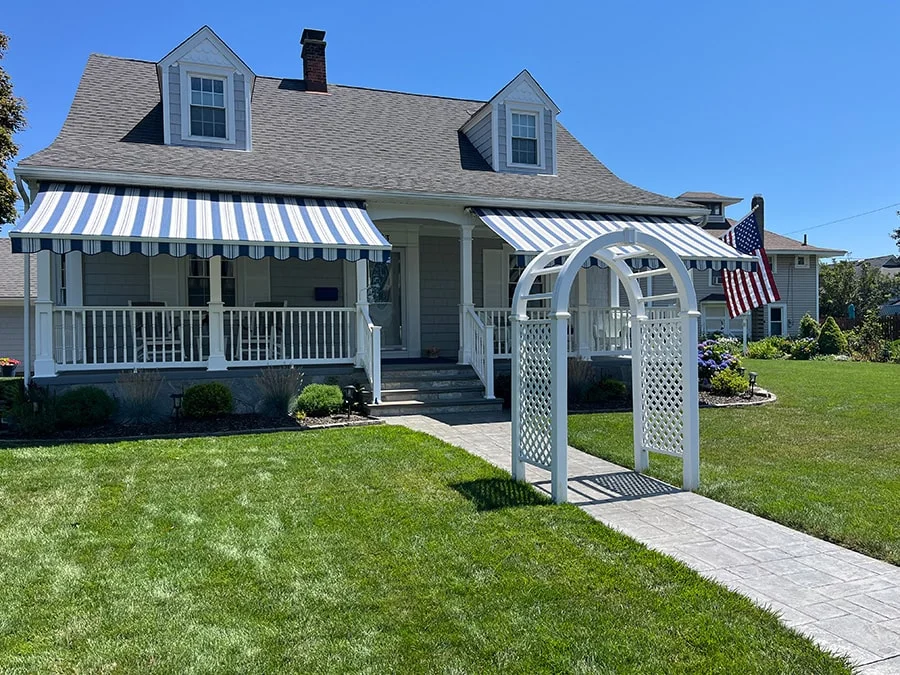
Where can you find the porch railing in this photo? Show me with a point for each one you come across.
(113, 337)
(593, 330)
(369, 341)
(289, 335)
(480, 336)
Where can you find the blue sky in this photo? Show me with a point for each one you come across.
(796, 101)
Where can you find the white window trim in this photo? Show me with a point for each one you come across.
(773, 263)
(704, 314)
(711, 284)
(215, 72)
(526, 109)
(805, 264)
(783, 318)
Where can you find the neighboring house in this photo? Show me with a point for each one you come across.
(12, 297)
(886, 264)
(795, 266)
(192, 214)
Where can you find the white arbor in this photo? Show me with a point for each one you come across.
(664, 356)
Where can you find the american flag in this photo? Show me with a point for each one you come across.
(746, 290)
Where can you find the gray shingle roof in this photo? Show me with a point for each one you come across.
(349, 138)
(706, 196)
(12, 273)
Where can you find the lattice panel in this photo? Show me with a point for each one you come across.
(662, 386)
(535, 392)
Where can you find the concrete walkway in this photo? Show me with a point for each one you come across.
(845, 601)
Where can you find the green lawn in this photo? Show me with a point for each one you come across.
(825, 458)
(370, 549)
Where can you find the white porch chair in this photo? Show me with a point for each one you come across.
(155, 336)
(263, 339)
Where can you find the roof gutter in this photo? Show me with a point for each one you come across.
(267, 187)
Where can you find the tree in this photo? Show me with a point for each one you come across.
(12, 120)
(844, 282)
(831, 339)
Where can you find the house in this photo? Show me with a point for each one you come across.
(795, 267)
(12, 296)
(886, 264)
(195, 216)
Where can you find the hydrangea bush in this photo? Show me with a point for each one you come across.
(715, 356)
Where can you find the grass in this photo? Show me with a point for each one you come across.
(825, 458)
(370, 549)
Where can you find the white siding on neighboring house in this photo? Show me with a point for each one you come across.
(12, 333)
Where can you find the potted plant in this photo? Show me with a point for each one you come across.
(432, 352)
(8, 366)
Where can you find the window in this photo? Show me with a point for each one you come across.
(524, 139)
(198, 282)
(773, 263)
(715, 277)
(776, 319)
(802, 261)
(60, 279)
(716, 320)
(516, 268)
(208, 107)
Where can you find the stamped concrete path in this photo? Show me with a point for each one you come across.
(845, 601)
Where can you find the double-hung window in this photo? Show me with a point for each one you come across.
(524, 139)
(198, 282)
(208, 107)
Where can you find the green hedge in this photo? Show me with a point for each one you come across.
(84, 407)
(207, 400)
(318, 400)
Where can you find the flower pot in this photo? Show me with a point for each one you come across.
(8, 371)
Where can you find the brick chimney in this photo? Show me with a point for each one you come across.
(759, 204)
(313, 54)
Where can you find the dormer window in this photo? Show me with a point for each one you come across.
(208, 115)
(524, 137)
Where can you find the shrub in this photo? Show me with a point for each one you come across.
(717, 355)
(763, 349)
(607, 392)
(809, 327)
(318, 400)
(580, 380)
(34, 414)
(831, 338)
(207, 400)
(803, 349)
(728, 383)
(137, 394)
(84, 407)
(894, 351)
(866, 341)
(12, 391)
(277, 386)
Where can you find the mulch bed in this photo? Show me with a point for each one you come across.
(227, 424)
(760, 396)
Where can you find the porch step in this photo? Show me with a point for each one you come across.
(436, 407)
(431, 388)
(433, 391)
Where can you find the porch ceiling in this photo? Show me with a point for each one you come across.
(95, 218)
(530, 232)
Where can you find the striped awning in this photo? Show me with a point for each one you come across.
(97, 218)
(530, 232)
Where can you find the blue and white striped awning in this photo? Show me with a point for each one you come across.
(123, 220)
(530, 232)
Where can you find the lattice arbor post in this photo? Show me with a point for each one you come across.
(664, 359)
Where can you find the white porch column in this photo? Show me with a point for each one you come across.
(583, 318)
(361, 298)
(26, 309)
(691, 458)
(44, 365)
(465, 285)
(613, 288)
(216, 317)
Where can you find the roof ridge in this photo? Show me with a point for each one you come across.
(330, 84)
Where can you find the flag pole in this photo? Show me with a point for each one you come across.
(745, 333)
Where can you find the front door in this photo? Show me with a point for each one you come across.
(386, 300)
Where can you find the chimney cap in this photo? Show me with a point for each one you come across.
(312, 35)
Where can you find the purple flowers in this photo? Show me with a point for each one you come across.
(714, 356)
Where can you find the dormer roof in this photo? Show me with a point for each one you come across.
(207, 48)
(709, 197)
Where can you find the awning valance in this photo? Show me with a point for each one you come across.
(530, 232)
(123, 220)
